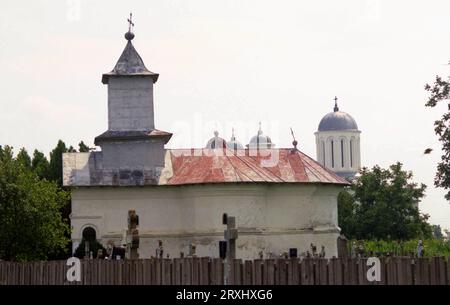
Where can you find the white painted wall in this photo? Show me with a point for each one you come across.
(352, 159)
(272, 218)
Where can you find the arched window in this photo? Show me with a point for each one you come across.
(89, 234)
(351, 153)
(332, 153)
(342, 152)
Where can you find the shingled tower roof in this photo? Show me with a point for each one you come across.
(130, 63)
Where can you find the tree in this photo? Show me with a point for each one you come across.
(440, 91)
(83, 147)
(346, 211)
(24, 158)
(55, 165)
(31, 226)
(383, 204)
(39, 164)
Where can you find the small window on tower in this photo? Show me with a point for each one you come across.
(323, 152)
(351, 153)
(342, 152)
(332, 153)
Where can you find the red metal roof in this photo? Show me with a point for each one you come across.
(282, 165)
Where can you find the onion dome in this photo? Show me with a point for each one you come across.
(233, 143)
(337, 120)
(216, 142)
(260, 141)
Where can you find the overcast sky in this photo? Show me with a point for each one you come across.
(233, 63)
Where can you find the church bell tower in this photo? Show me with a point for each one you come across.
(131, 141)
(338, 143)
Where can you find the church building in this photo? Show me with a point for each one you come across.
(281, 197)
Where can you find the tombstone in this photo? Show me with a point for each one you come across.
(313, 250)
(192, 249)
(222, 249)
(230, 234)
(160, 249)
(293, 253)
(420, 249)
(322, 252)
(118, 253)
(133, 235)
(342, 246)
(99, 254)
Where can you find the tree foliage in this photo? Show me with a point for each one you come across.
(40, 164)
(83, 147)
(55, 165)
(432, 247)
(383, 204)
(24, 158)
(440, 91)
(31, 225)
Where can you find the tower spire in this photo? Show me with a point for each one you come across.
(336, 108)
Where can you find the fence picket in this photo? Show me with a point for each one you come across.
(207, 271)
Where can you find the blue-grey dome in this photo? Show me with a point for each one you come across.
(260, 141)
(234, 144)
(337, 120)
(216, 142)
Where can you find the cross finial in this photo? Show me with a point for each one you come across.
(130, 22)
(294, 142)
(336, 108)
(129, 35)
(260, 129)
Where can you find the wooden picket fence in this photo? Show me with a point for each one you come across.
(207, 271)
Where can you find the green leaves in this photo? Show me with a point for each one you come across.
(31, 225)
(432, 247)
(383, 204)
(440, 91)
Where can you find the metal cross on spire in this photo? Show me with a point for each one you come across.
(336, 108)
(292, 133)
(129, 35)
(294, 142)
(130, 22)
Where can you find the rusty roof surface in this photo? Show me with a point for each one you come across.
(202, 166)
(282, 165)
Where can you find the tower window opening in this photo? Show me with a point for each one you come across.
(323, 152)
(342, 152)
(351, 153)
(332, 153)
